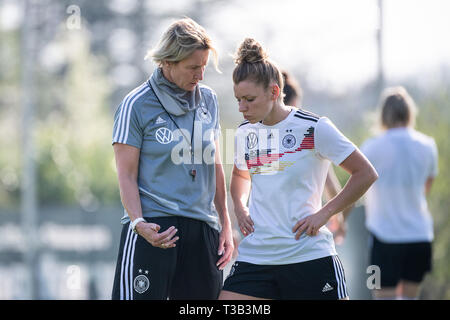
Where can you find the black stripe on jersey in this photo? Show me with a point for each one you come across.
(307, 113)
(306, 118)
(243, 123)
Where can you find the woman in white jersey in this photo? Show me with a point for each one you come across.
(282, 155)
(396, 207)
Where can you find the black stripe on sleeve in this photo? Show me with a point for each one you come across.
(306, 118)
(307, 113)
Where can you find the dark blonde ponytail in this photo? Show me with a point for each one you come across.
(253, 63)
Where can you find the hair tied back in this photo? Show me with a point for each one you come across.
(250, 51)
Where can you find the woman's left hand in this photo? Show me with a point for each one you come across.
(310, 224)
(226, 247)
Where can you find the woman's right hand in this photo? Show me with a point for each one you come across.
(150, 232)
(245, 221)
(127, 161)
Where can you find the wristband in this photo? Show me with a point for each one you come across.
(134, 223)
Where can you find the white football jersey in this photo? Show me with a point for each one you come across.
(288, 163)
(396, 206)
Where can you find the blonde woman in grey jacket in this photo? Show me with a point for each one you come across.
(177, 235)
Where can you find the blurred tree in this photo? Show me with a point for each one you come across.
(434, 120)
(75, 156)
(9, 118)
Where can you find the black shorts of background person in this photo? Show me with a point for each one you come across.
(405, 263)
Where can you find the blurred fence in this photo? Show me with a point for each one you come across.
(76, 253)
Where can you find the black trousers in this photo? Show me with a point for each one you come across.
(185, 272)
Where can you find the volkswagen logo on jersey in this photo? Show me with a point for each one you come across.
(252, 140)
(289, 141)
(164, 135)
(204, 115)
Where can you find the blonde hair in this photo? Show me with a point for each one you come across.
(180, 40)
(397, 108)
(253, 63)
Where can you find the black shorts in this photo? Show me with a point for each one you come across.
(400, 261)
(319, 279)
(187, 271)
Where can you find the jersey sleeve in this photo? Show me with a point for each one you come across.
(330, 143)
(127, 128)
(240, 149)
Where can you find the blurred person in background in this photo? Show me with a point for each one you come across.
(282, 158)
(397, 214)
(293, 95)
(176, 237)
